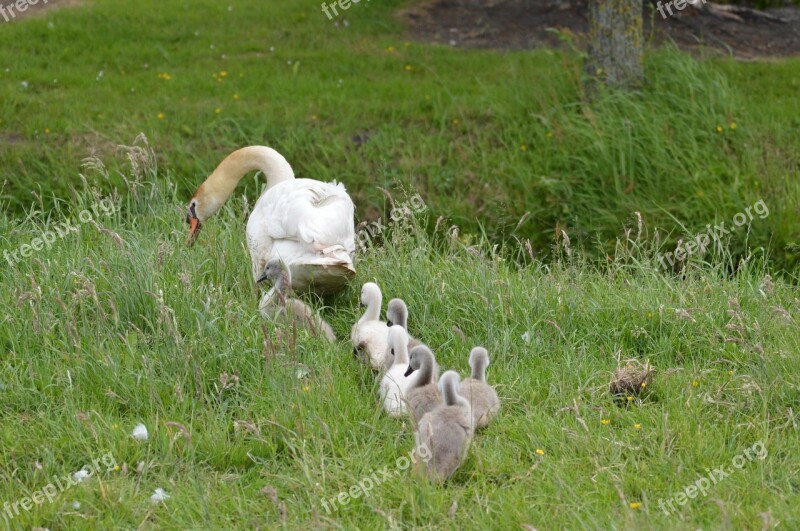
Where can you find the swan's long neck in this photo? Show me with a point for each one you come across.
(284, 282)
(222, 182)
(425, 372)
(450, 393)
(403, 315)
(373, 311)
(401, 353)
(479, 369)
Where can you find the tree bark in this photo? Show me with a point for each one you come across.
(615, 42)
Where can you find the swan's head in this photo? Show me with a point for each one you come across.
(196, 215)
(479, 357)
(202, 206)
(420, 356)
(193, 220)
(396, 312)
(272, 272)
(448, 383)
(370, 292)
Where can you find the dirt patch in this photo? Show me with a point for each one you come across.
(527, 24)
(12, 14)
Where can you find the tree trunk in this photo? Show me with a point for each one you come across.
(615, 42)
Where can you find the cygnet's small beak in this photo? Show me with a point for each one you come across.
(262, 278)
(389, 323)
(409, 370)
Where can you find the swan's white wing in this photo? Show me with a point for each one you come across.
(306, 223)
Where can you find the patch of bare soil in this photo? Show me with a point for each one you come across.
(526, 24)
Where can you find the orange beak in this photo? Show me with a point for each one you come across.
(194, 229)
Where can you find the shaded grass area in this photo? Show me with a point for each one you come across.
(483, 136)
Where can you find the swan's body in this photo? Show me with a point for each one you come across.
(305, 223)
(277, 305)
(446, 431)
(397, 314)
(370, 335)
(395, 383)
(423, 393)
(481, 396)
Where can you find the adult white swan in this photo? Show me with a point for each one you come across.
(306, 223)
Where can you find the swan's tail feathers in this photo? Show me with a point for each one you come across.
(338, 253)
(322, 275)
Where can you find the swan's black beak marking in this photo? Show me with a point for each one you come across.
(409, 370)
(389, 323)
(262, 278)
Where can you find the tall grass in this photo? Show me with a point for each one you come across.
(253, 426)
(484, 136)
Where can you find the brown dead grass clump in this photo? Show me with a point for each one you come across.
(632, 380)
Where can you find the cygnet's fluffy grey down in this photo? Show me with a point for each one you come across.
(397, 314)
(481, 396)
(423, 394)
(277, 303)
(446, 431)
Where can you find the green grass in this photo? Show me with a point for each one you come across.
(482, 135)
(100, 335)
(120, 323)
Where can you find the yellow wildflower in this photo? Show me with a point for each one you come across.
(160, 116)
(719, 129)
(539, 451)
(605, 422)
(635, 505)
(637, 426)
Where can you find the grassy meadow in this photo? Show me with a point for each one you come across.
(530, 245)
